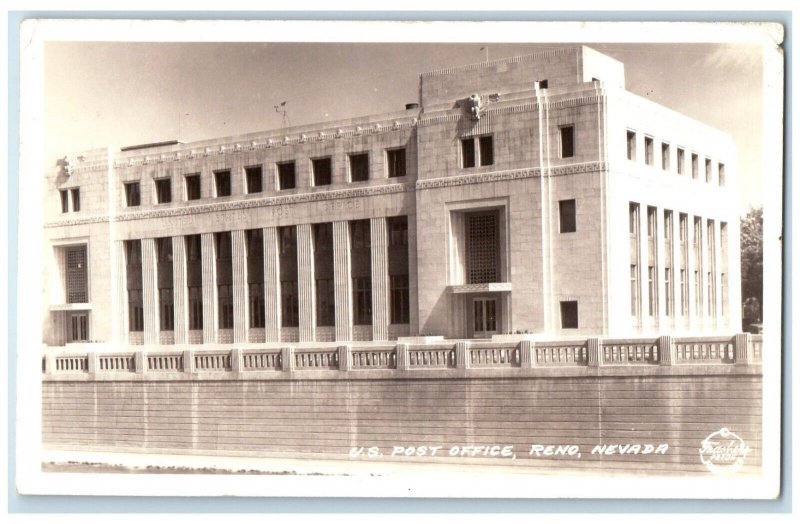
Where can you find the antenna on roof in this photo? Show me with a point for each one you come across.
(281, 109)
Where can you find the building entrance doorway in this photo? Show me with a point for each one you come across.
(484, 317)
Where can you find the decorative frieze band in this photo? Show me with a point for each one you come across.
(514, 174)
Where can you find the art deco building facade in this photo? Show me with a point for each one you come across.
(528, 194)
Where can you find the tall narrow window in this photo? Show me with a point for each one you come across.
(482, 247)
(648, 150)
(668, 255)
(290, 306)
(396, 162)
(224, 273)
(695, 167)
(192, 186)
(467, 152)
(322, 171)
(254, 240)
(652, 264)
(567, 141)
(698, 267)
(486, 149)
(361, 271)
(254, 179)
(711, 244)
(359, 167)
(721, 174)
(166, 301)
(323, 273)
(681, 160)
(163, 191)
(133, 270)
(286, 175)
(631, 145)
(569, 314)
(222, 182)
(665, 156)
(194, 281)
(683, 228)
(64, 200)
(566, 215)
(77, 284)
(708, 170)
(132, 197)
(75, 193)
(633, 230)
(398, 269)
(723, 266)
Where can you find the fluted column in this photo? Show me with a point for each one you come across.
(120, 294)
(241, 316)
(179, 290)
(305, 282)
(149, 291)
(380, 279)
(209, 289)
(342, 284)
(272, 320)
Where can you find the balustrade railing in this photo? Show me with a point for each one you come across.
(383, 357)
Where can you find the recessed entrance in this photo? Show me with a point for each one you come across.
(484, 317)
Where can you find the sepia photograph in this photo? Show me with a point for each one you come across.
(526, 257)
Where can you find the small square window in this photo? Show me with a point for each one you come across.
(132, 196)
(64, 201)
(322, 171)
(542, 84)
(566, 212)
(253, 179)
(222, 182)
(486, 146)
(163, 191)
(567, 141)
(681, 160)
(359, 167)
(467, 152)
(192, 187)
(569, 314)
(396, 162)
(631, 145)
(286, 178)
(76, 199)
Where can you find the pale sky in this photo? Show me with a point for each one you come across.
(100, 93)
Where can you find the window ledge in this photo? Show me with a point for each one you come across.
(75, 306)
(480, 288)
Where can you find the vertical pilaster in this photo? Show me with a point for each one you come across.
(676, 267)
(179, 290)
(644, 261)
(341, 280)
(594, 352)
(241, 316)
(717, 272)
(149, 291)
(380, 279)
(120, 298)
(305, 282)
(661, 252)
(272, 320)
(703, 314)
(209, 289)
(691, 267)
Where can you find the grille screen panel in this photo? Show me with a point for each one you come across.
(482, 233)
(76, 275)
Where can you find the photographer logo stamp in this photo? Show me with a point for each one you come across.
(723, 452)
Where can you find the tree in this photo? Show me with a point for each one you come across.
(752, 266)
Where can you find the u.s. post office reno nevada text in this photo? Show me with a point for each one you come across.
(551, 258)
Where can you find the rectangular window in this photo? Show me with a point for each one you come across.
(362, 301)
(135, 310)
(723, 276)
(163, 191)
(225, 301)
(721, 174)
(648, 150)
(326, 308)
(323, 273)
(164, 277)
(398, 295)
(79, 327)
(396, 162)
(192, 186)
(668, 255)
(482, 247)
(569, 314)
(290, 307)
(486, 148)
(76, 199)
(166, 309)
(708, 169)
(467, 152)
(566, 213)
(631, 145)
(224, 275)
(665, 156)
(634, 290)
(64, 200)
(222, 183)
(681, 160)
(698, 267)
(684, 285)
(286, 176)
(359, 167)
(195, 296)
(133, 274)
(695, 167)
(633, 230)
(542, 84)
(132, 196)
(255, 294)
(668, 291)
(322, 171)
(360, 234)
(651, 288)
(254, 240)
(397, 230)
(254, 179)
(76, 285)
(712, 267)
(567, 141)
